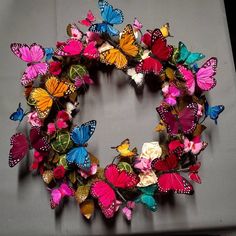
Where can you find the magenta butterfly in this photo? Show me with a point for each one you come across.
(171, 180)
(204, 77)
(20, 145)
(59, 193)
(88, 20)
(80, 81)
(160, 52)
(33, 55)
(74, 47)
(106, 194)
(193, 173)
(185, 121)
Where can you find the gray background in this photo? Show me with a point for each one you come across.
(202, 25)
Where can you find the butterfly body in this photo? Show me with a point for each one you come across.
(213, 111)
(80, 135)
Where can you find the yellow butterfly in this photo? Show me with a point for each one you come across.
(127, 47)
(165, 30)
(124, 150)
(43, 98)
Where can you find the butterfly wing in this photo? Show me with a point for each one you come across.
(188, 118)
(18, 115)
(48, 53)
(32, 71)
(189, 79)
(214, 111)
(88, 20)
(148, 200)
(205, 75)
(123, 149)
(169, 119)
(149, 65)
(56, 196)
(91, 51)
(19, 148)
(72, 47)
(79, 156)
(74, 32)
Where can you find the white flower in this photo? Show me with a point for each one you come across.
(151, 150)
(147, 179)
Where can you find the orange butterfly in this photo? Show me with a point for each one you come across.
(127, 47)
(43, 98)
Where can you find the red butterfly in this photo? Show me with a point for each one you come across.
(193, 173)
(160, 53)
(104, 190)
(170, 179)
(88, 20)
(185, 121)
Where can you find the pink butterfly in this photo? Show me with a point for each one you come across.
(20, 145)
(33, 55)
(171, 180)
(171, 92)
(74, 32)
(106, 194)
(204, 77)
(80, 81)
(128, 209)
(88, 20)
(185, 121)
(160, 53)
(137, 25)
(59, 193)
(74, 47)
(193, 173)
(195, 146)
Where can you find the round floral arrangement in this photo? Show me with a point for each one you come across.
(54, 79)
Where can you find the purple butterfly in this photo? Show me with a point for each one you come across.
(204, 77)
(20, 145)
(33, 55)
(183, 122)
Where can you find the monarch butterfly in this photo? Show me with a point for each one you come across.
(43, 98)
(127, 47)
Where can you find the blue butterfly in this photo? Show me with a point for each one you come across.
(48, 53)
(213, 112)
(80, 135)
(110, 17)
(187, 57)
(147, 197)
(18, 115)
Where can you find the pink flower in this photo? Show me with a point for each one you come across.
(34, 120)
(51, 129)
(61, 124)
(59, 172)
(63, 115)
(55, 67)
(92, 171)
(143, 164)
(170, 92)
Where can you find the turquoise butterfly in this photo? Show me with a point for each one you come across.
(186, 57)
(147, 197)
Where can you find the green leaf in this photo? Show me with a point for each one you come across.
(62, 142)
(125, 166)
(77, 70)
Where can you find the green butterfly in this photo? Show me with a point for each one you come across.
(187, 57)
(147, 197)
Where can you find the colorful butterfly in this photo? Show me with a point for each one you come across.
(137, 25)
(88, 20)
(18, 115)
(186, 57)
(171, 180)
(138, 78)
(127, 48)
(20, 145)
(124, 150)
(110, 17)
(105, 191)
(80, 136)
(33, 55)
(204, 77)
(80, 81)
(74, 47)
(147, 197)
(49, 52)
(74, 32)
(213, 111)
(43, 98)
(195, 145)
(185, 121)
(58, 194)
(160, 52)
(193, 173)
(165, 30)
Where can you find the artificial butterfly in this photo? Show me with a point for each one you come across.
(147, 197)
(213, 111)
(110, 17)
(74, 47)
(165, 30)
(18, 115)
(82, 81)
(137, 25)
(127, 48)
(58, 194)
(74, 32)
(43, 99)
(124, 149)
(88, 20)
(80, 136)
(138, 78)
(185, 121)
(169, 179)
(186, 57)
(33, 55)
(20, 145)
(49, 52)
(194, 146)
(193, 173)
(160, 52)
(104, 190)
(204, 77)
